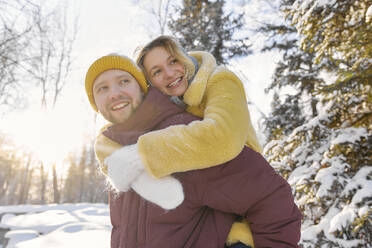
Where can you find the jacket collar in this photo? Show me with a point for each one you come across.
(195, 92)
(155, 108)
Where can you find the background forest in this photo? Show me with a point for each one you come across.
(317, 134)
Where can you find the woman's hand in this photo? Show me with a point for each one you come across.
(125, 171)
(166, 192)
(124, 166)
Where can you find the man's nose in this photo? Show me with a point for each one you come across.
(115, 92)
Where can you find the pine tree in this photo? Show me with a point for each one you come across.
(343, 35)
(202, 25)
(283, 117)
(84, 182)
(327, 160)
(296, 71)
(71, 187)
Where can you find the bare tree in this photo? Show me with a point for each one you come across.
(43, 183)
(36, 43)
(49, 57)
(12, 43)
(48, 63)
(26, 177)
(56, 193)
(160, 10)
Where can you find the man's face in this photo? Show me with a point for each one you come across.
(117, 94)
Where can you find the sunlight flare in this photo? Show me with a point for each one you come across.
(49, 135)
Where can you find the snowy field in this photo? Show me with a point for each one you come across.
(57, 226)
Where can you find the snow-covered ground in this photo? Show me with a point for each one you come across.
(57, 226)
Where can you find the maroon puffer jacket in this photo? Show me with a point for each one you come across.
(246, 186)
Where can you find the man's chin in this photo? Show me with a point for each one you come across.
(119, 119)
(116, 117)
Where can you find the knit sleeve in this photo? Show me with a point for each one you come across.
(216, 139)
(103, 148)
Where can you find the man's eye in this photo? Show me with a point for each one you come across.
(101, 89)
(125, 81)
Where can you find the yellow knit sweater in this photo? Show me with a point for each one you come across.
(217, 95)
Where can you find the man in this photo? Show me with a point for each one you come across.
(213, 198)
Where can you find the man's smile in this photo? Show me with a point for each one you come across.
(119, 106)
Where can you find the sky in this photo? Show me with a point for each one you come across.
(116, 26)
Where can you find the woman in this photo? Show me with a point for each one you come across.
(211, 92)
(205, 90)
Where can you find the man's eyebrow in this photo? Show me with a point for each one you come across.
(122, 76)
(98, 84)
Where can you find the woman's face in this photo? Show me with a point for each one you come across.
(165, 72)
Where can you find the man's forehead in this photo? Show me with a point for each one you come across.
(111, 74)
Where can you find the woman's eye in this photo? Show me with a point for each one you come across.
(125, 81)
(155, 73)
(173, 61)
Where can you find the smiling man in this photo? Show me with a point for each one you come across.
(115, 87)
(117, 94)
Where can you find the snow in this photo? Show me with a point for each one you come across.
(19, 236)
(332, 198)
(351, 135)
(369, 14)
(299, 175)
(310, 233)
(57, 226)
(327, 176)
(360, 181)
(342, 219)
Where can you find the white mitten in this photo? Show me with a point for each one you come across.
(124, 166)
(166, 192)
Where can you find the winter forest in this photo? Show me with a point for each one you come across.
(317, 134)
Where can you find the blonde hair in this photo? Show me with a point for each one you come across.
(172, 45)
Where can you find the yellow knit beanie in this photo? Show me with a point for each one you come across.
(112, 61)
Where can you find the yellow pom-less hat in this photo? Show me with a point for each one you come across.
(109, 62)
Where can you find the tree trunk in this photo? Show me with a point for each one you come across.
(28, 184)
(43, 184)
(55, 185)
(23, 184)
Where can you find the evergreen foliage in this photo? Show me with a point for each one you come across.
(284, 117)
(296, 71)
(203, 25)
(338, 30)
(326, 159)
